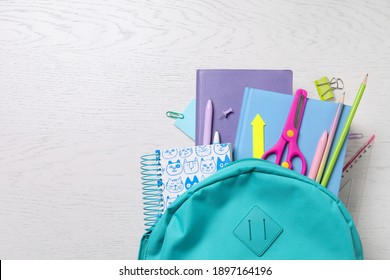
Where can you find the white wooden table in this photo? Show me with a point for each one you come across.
(84, 87)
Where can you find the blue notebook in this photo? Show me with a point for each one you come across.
(273, 108)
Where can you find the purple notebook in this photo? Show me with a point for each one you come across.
(226, 88)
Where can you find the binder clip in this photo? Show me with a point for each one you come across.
(325, 87)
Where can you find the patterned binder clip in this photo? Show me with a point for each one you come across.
(325, 87)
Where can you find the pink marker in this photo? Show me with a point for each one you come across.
(318, 156)
(208, 123)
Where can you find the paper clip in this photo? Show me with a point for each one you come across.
(174, 115)
(325, 87)
(355, 135)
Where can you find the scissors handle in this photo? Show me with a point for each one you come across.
(294, 152)
(276, 150)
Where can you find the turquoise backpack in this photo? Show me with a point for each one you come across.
(254, 209)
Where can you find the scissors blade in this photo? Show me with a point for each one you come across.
(298, 112)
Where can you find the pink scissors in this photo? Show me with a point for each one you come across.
(290, 134)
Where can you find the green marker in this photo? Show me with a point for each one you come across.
(335, 155)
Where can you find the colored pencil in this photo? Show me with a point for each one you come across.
(329, 142)
(318, 156)
(340, 142)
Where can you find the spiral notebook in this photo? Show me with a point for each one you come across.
(167, 173)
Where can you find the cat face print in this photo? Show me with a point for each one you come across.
(207, 166)
(222, 163)
(185, 152)
(190, 183)
(170, 199)
(191, 166)
(169, 153)
(175, 185)
(221, 149)
(203, 151)
(174, 168)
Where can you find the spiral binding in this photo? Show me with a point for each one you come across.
(152, 191)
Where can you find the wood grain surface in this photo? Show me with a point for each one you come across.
(84, 87)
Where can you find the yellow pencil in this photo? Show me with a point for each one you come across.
(340, 142)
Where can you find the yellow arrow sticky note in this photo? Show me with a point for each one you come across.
(258, 136)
